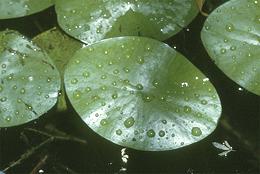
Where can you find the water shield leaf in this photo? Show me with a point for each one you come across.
(142, 94)
(20, 8)
(231, 35)
(29, 81)
(92, 21)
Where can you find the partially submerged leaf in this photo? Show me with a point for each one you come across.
(92, 21)
(142, 94)
(231, 36)
(60, 48)
(20, 8)
(29, 81)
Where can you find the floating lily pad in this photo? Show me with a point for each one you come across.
(29, 81)
(91, 21)
(140, 93)
(20, 8)
(231, 36)
(60, 48)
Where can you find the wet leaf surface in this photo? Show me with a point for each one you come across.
(20, 8)
(29, 81)
(60, 48)
(142, 94)
(231, 35)
(92, 21)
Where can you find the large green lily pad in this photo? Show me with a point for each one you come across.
(231, 36)
(91, 21)
(29, 81)
(140, 93)
(20, 8)
(60, 48)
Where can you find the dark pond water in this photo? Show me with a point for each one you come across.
(239, 125)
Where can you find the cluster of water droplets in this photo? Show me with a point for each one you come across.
(26, 88)
(109, 93)
(238, 43)
(108, 19)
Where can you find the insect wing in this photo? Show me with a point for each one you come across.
(220, 146)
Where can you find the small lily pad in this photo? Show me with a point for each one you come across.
(20, 8)
(60, 48)
(92, 21)
(231, 35)
(29, 81)
(140, 93)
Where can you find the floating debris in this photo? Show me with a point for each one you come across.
(224, 146)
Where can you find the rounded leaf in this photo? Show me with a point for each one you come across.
(231, 35)
(140, 93)
(20, 8)
(92, 21)
(29, 82)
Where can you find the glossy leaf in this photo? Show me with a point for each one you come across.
(60, 48)
(20, 8)
(29, 82)
(140, 93)
(231, 36)
(92, 21)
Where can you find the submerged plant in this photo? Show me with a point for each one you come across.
(132, 90)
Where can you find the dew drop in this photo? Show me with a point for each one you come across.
(48, 79)
(103, 122)
(86, 74)
(164, 121)
(74, 81)
(3, 65)
(22, 91)
(29, 107)
(150, 133)
(147, 98)
(126, 70)
(103, 76)
(230, 27)
(233, 48)
(116, 71)
(8, 119)
(114, 83)
(223, 50)
(140, 60)
(204, 102)
(77, 94)
(10, 77)
(100, 66)
(14, 87)
(161, 133)
(139, 87)
(129, 122)
(187, 109)
(3, 99)
(196, 131)
(119, 132)
(155, 83)
(114, 96)
(207, 27)
(88, 89)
